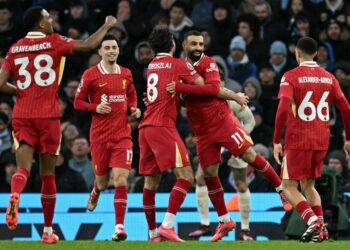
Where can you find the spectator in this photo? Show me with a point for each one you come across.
(179, 23)
(336, 159)
(325, 56)
(239, 65)
(67, 179)
(262, 133)
(248, 28)
(252, 88)
(332, 10)
(270, 30)
(10, 32)
(223, 71)
(80, 161)
(222, 26)
(201, 13)
(268, 98)
(5, 135)
(279, 58)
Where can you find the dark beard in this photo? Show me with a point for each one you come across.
(194, 57)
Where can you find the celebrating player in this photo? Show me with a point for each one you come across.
(239, 168)
(306, 94)
(110, 89)
(215, 126)
(35, 64)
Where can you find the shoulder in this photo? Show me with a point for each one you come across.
(124, 70)
(91, 73)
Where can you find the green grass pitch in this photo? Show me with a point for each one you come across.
(189, 245)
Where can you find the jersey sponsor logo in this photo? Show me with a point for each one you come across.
(102, 84)
(66, 38)
(112, 98)
(212, 67)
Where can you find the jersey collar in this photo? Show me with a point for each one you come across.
(160, 55)
(199, 60)
(309, 64)
(103, 70)
(35, 34)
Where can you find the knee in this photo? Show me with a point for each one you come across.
(200, 180)
(188, 178)
(120, 180)
(241, 186)
(101, 185)
(249, 155)
(152, 183)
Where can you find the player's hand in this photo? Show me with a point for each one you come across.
(110, 21)
(144, 99)
(103, 109)
(241, 99)
(171, 88)
(347, 148)
(135, 112)
(277, 152)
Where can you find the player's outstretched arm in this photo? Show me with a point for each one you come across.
(93, 41)
(6, 87)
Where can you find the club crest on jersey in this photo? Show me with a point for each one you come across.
(124, 84)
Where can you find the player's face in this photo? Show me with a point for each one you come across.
(109, 51)
(194, 46)
(46, 22)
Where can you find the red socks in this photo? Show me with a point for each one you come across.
(178, 195)
(216, 194)
(120, 202)
(19, 180)
(318, 212)
(148, 200)
(261, 164)
(305, 212)
(48, 198)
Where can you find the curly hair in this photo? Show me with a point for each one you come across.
(161, 40)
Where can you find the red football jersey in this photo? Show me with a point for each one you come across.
(36, 64)
(162, 107)
(206, 111)
(312, 91)
(118, 90)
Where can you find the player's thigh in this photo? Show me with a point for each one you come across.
(208, 151)
(49, 131)
(318, 157)
(24, 131)
(168, 148)
(100, 157)
(234, 137)
(297, 164)
(121, 155)
(148, 164)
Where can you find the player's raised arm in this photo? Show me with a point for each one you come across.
(94, 40)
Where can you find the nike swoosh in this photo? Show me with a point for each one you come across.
(241, 145)
(103, 84)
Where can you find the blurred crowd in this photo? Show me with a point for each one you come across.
(252, 41)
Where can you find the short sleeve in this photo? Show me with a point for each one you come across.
(64, 44)
(211, 72)
(186, 71)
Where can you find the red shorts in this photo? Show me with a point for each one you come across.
(111, 155)
(161, 148)
(228, 133)
(302, 164)
(43, 134)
